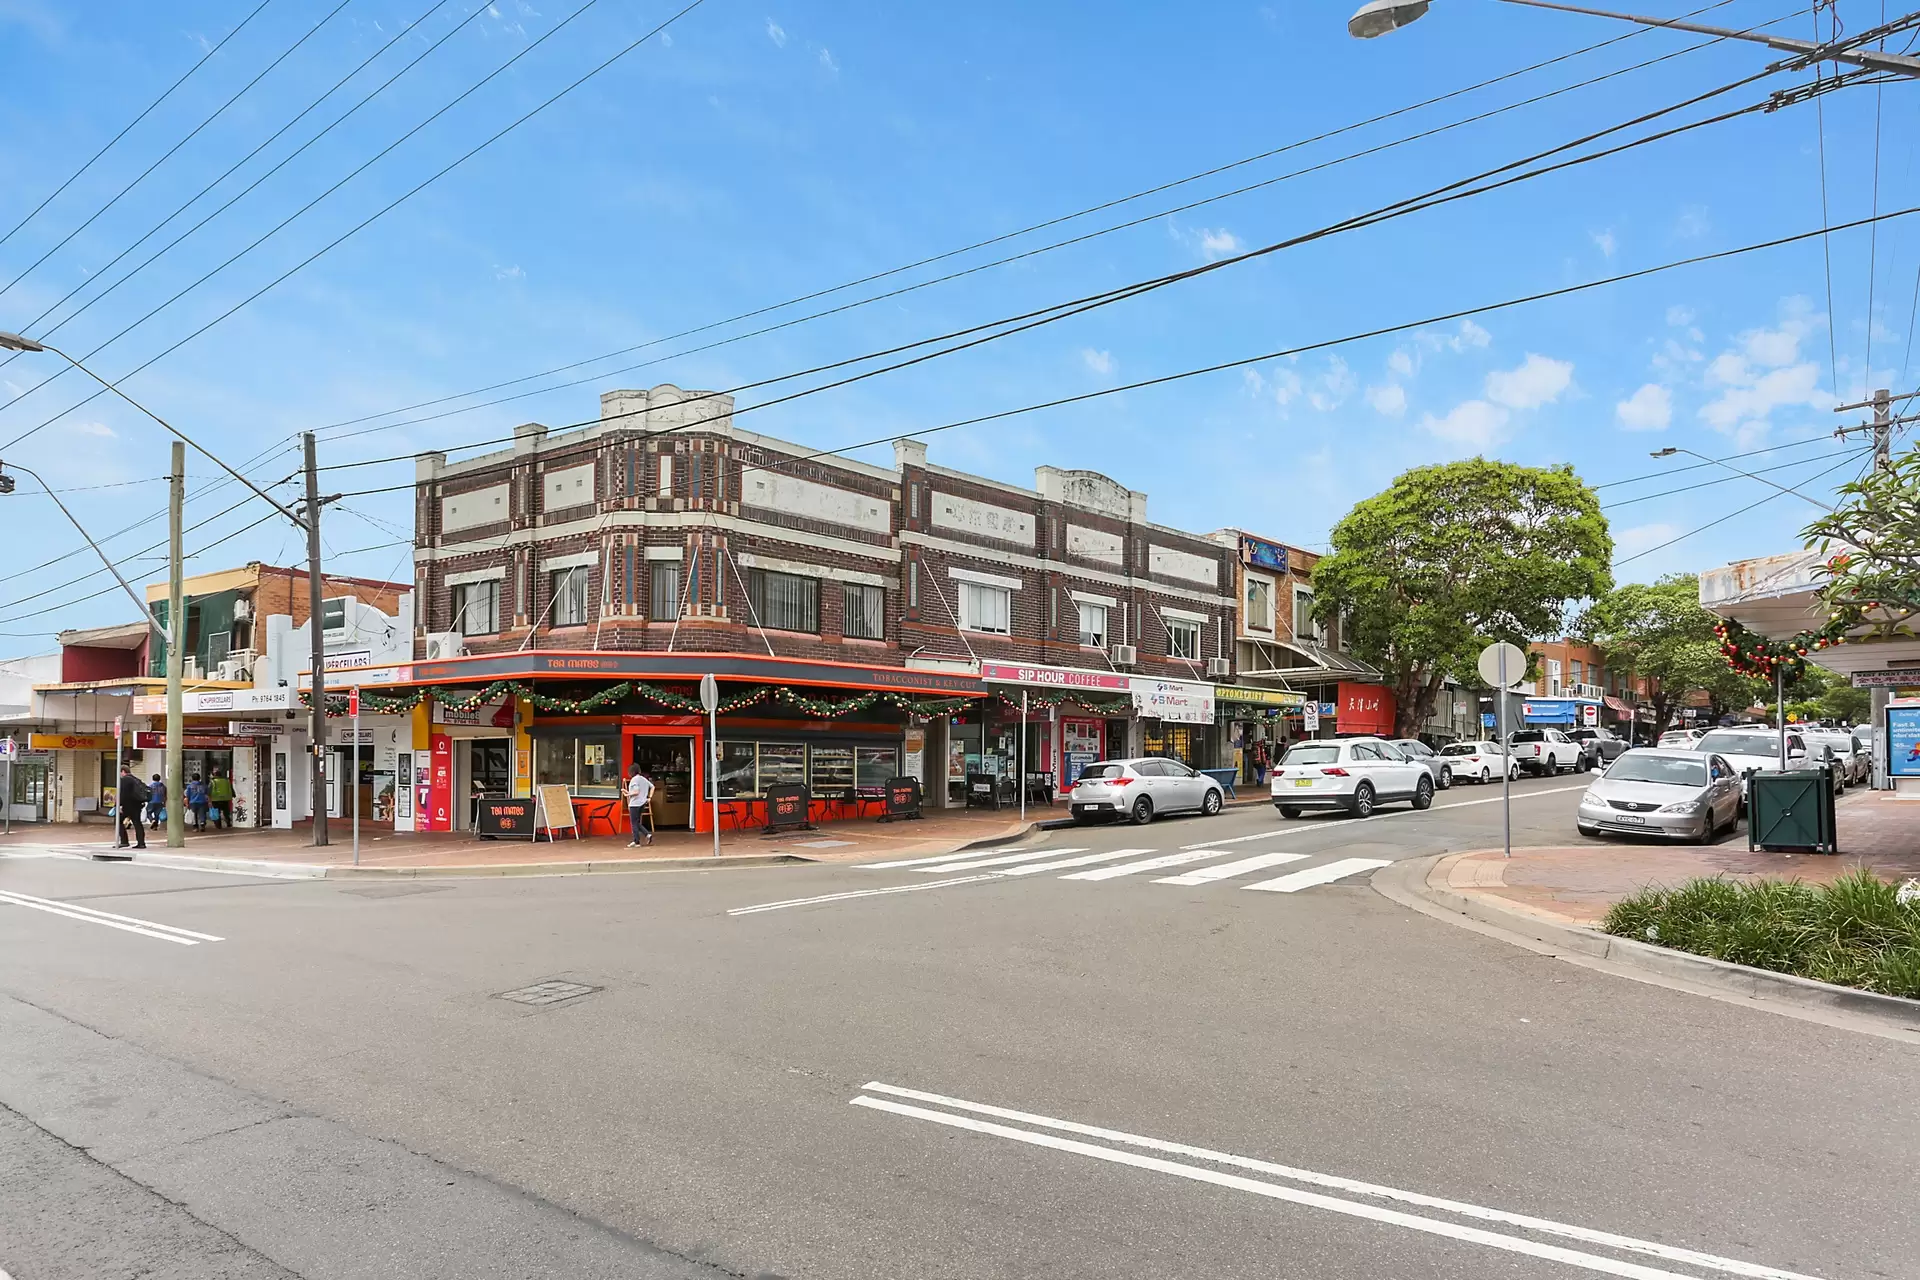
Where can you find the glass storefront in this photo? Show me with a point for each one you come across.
(589, 762)
(831, 770)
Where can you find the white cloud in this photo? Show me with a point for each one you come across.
(1286, 388)
(666, 38)
(1678, 316)
(514, 272)
(1762, 372)
(1538, 380)
(1401, 362)
(777, 34)
(1469, 336)
(1331, 389)
(1101, 362)
(1474, 424)
(1643, 537)
(1254, 382)
(1692, 222)
(1648, 409)
(1603, 240)
(94, 429)
(1389, 399)
(826, 60)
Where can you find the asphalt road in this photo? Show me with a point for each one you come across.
(942, 1070)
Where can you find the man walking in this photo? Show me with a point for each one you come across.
(640, 806)
(133, 794)
(156, 801)
(220, 792)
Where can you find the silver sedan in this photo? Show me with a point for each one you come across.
(1661, 791)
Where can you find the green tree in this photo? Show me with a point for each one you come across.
(1660, 633)
(1873, 544)
(1452, 556)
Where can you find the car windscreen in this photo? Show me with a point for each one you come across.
(1312, 753)
(1094, 772)
(1461, 749)
(1674, 770)
(1732, 743)
(1529, 735)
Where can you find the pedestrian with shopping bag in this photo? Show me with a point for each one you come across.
(131, 799)
(220, 794)
(197, 802)
(156, 801)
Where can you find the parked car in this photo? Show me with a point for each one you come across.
(1141, 790)
(1670, 791)
(1478, 761)
(1855, 761)
(1354, 774)
(1755, 748)
(1420, 753)
(1680, 738)
(1545, 752)
(1601, 745)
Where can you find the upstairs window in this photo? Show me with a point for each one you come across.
(784, 601)
(663, 590)
(1183, 639)
(476, 608)
(1093, 625)
(569, 597)
(865, 613)
(1259, 604)
(986, 608)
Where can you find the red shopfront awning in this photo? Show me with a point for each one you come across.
(1618, 704)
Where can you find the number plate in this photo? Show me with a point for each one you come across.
(1303, 782)
(1629, 817)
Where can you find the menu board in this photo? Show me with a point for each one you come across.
(786, 807)
(506, 819)
(832, 770)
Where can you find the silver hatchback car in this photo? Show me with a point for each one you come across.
(1663, 791)
(1141, 790)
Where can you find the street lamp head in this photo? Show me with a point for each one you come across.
(1377, 17)
(14, 342)
(1667, 452)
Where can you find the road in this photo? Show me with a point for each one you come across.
(981, 1067)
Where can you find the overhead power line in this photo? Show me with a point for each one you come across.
(168, 154)
(1028, 230)
(357, 227)
(1668, 472)
(1727, 479)
(1731, 514)
(149, 109)
(101, 272)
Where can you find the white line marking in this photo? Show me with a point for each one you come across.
(918, 862)
(1006, 859)
(1398, 813)
(1227, 870)
(1150, 864)
(1258, 835)
(1081, 861)
(1324, 874)
(855, 893)
(131, 924)
(1588, 1235)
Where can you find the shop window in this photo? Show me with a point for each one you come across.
(985, 608)
(589, 764)
(782, 764)
(1183, 639)
(784, 601)
(1093, 625)
(736, 773)
(875, 766)
(865, 613)
(831, 770)
(569, 608)
(1259, 605)
(476, 608)
(555, 761)
(663, 590)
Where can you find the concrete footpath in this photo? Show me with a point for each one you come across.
(290, 854)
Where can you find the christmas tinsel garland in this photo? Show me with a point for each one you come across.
(402, 703)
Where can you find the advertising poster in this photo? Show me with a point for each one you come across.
(1903, 742)
(440, 785)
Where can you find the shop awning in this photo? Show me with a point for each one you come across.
(1613, 704)
(1316, 661)
(551, 664)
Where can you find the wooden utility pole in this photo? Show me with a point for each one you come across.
(176, 658)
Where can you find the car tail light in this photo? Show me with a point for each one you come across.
(1118, 782)
(1335, 773)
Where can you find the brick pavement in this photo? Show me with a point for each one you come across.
(1577, 885)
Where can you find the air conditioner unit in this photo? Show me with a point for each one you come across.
(444, 644)
(1124, 655)
(190, 668)
(1219, 668)
(234, 669)
(242, 609)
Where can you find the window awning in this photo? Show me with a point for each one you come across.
(1315, 662)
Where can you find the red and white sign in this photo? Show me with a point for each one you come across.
(1054, 677)
(353, 701)
(1176, 701)
(440, 785)
(1366, 708)
(157, 741)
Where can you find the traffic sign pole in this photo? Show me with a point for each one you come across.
(353, 774)
(1496, 661)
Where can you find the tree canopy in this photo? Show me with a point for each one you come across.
(1873, 545)
(1452, 556)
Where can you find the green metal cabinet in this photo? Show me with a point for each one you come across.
(1792, 810)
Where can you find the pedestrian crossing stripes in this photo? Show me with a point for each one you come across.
(1072, 863)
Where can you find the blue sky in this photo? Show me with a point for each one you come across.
(760, 152)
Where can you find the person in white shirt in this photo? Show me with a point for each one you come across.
(640, 806)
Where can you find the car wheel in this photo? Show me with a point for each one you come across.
(1423, 794)
(1211, 805)
(1290, 810)
(1362, 806)
(1486, 774)
(1141, 813)
(1446, 777)
(1586, 765)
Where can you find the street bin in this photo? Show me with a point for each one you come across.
(1792, 811)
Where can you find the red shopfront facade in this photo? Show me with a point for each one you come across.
(1365, 709)
(1074, 718)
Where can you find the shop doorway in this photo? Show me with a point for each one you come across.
(27, 791)
(489, 775)
(669, 762)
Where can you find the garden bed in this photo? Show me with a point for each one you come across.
(1859, 931)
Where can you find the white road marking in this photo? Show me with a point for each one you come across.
(1006, 860)
(1227, 870)
(1081, 861)
(130, 924)
(1150, 864)
(918, 862)
(1587, 1235)
(1258, 835)
(1326, 873)
(854, 893)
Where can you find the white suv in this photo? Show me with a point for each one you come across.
(1547, 751)
(1353, 774)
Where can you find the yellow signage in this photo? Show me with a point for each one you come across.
(70, 742)
(1264, 697)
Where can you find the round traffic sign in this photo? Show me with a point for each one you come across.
(1491, 659)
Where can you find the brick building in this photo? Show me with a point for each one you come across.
(1570, 676)
(861, 620)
